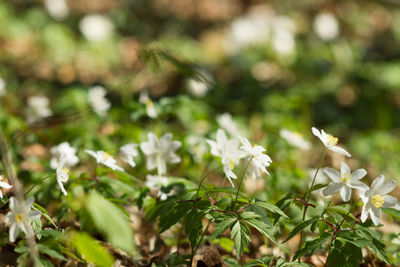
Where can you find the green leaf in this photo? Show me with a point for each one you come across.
(222, 226)
(45, 215)
(342, 211)
(194, 226)
(318, 186)
(311, 246)
(263, 262)
(262, 227)
(171, 216)
(271, 208)
(51, 252)
(241, 234)
(299, 227)
(248, 215)
(111, 222)
(91, 250)
(392, 212)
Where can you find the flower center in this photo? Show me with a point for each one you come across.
(149, 103)
(377, 201)
(346, 177)
(231, 164)
(65, 170)
(19, 217)
(107, 156)
(332, 141)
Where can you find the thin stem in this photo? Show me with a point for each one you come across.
(33, 186)
(203, 178)
(240, 182)
(309, 196)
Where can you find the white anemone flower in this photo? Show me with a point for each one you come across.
(221, 143)
(58, 9)
(127, 152)
(150, 107)
(226, 122)
(326, 26)
(105, 159)
(295, 139)
(259, 160)
(2, 87)
(62, 173)
(329, 141)
(17, 220)
(96, 27)
(98, 101)
(38, 108)
(376, 198)
(155, 182)
(344, 181)
(3, 185)
(67, 151)
(159, 152)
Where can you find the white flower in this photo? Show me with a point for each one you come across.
(226, 122)
(329, 141)
(283, 35)
(199, 86)
(4, 185)
(63, 149)
(376, 198)
(222, 143)
(155, 182)
(105, 159)
(197, 147)
(295, 139)
(38, 108)
(159, 152)
(127, 152)
(259, 160)
(16, 217)
(326, 26)
(2, 87)
(58, 9)
(98, 101)
(150, 108)
(62, 174)
(344, 181)
(228, 160)
(96, 27)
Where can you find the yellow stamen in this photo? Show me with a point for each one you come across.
(65, 170)
(231, 165)
(19, 217)
(149, 103)
(107, 156)
(332, 141)
(346, 177)
(377, 201)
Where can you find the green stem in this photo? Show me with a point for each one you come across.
(33, 186)
(309, 196)
(338, 229)
(203, 178)
(240, 182)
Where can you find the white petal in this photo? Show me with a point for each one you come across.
(358, 174)
(389, 201)
(332, 174)
(344, 168)
(147, 148)
(29, 202)
(359, 185)
(377, 183)
(151, 163)
(386, 187)
(5, 185)
(331, 189)
(34, 214)
(365, 211)
(162, 166)
(221, 136)
(375, 215)
(317, 133)
(62, 187)
(92, 153)
(345, 193)
(14, 231)
(339, 150)
(13, 203)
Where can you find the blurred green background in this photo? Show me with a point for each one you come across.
(278, 64)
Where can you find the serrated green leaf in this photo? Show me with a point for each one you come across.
(311, 246)
(392, 212)
(45, 214)
(194, 226)
(50, 252)
(92, 251)
(263, 228)
(111, 222)
(342, 211)
(299, 227)
(271, 208)
(173, 215)
(248, 215)
(241, 234)
(222, 226)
